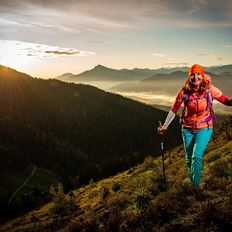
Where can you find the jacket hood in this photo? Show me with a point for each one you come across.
(207, 79)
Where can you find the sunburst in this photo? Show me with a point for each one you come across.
(12, 55)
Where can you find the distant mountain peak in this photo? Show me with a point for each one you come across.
(103, 73)
(178, 73)
(99, 66)
(64, 76)
(67, 74)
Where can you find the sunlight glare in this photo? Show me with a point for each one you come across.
(13, 55)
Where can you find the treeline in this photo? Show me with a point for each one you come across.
(78, 132)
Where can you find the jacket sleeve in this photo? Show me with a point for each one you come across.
(178, 101)
(172, 113)
(215, 92)
(218, 94)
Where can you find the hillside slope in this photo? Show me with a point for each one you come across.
(134, 200)
(73, 133)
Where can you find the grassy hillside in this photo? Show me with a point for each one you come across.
(74, 132)
(134, 200)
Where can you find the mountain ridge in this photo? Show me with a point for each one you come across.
(168, 84)
(103, 73)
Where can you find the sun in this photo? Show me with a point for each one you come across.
(13, 56)
(14, 61)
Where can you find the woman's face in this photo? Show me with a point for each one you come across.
(196, 78)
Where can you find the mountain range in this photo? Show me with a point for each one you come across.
(102, 73)
(168, 84)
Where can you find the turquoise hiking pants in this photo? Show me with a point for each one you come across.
(195, 143)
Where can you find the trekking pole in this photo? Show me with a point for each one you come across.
(161, 133)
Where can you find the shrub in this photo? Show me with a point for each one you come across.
(219, 168)
(214, 215)
(140, 189)
(91, 181)
(63, 206)
(119, 200)
(34, 218)
(149, 163)
(143, 200)
(167, 206)
(116, 186)
(212, 157)
(105, 192)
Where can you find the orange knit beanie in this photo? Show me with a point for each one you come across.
(196, 68)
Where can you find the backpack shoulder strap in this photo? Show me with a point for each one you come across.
(209, 98)
(210, 104)
(185, 96)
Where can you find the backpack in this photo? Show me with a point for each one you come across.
(208, 96)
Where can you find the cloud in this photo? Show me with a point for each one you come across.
(216, 57)
(174, 64)
(228, 45)
(213, 56)
(62, 52)
(99, 42)
(121, 14)
(25, 49)
(159, 55)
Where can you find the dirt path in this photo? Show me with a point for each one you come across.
(24, 184)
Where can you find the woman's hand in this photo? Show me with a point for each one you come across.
(161, 129)
(228, 102)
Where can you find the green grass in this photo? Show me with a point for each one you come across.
(134, 200)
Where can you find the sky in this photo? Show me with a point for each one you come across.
(48, 38)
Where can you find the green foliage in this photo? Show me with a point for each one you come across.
(220, 168)
(219, 174)
(143, 200)
(91, 181)
(105, 192)
(63, 205)
(168, 205)
(149, 163)
(139, 188)
(120, 200)
(34, 218)
(140, 205)
(116, 186)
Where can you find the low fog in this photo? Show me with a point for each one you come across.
(160, 94)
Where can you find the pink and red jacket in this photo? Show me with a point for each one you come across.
(196, 109)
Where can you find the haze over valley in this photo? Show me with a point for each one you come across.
(157, 87)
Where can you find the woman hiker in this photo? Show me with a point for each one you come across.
(197, 117)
